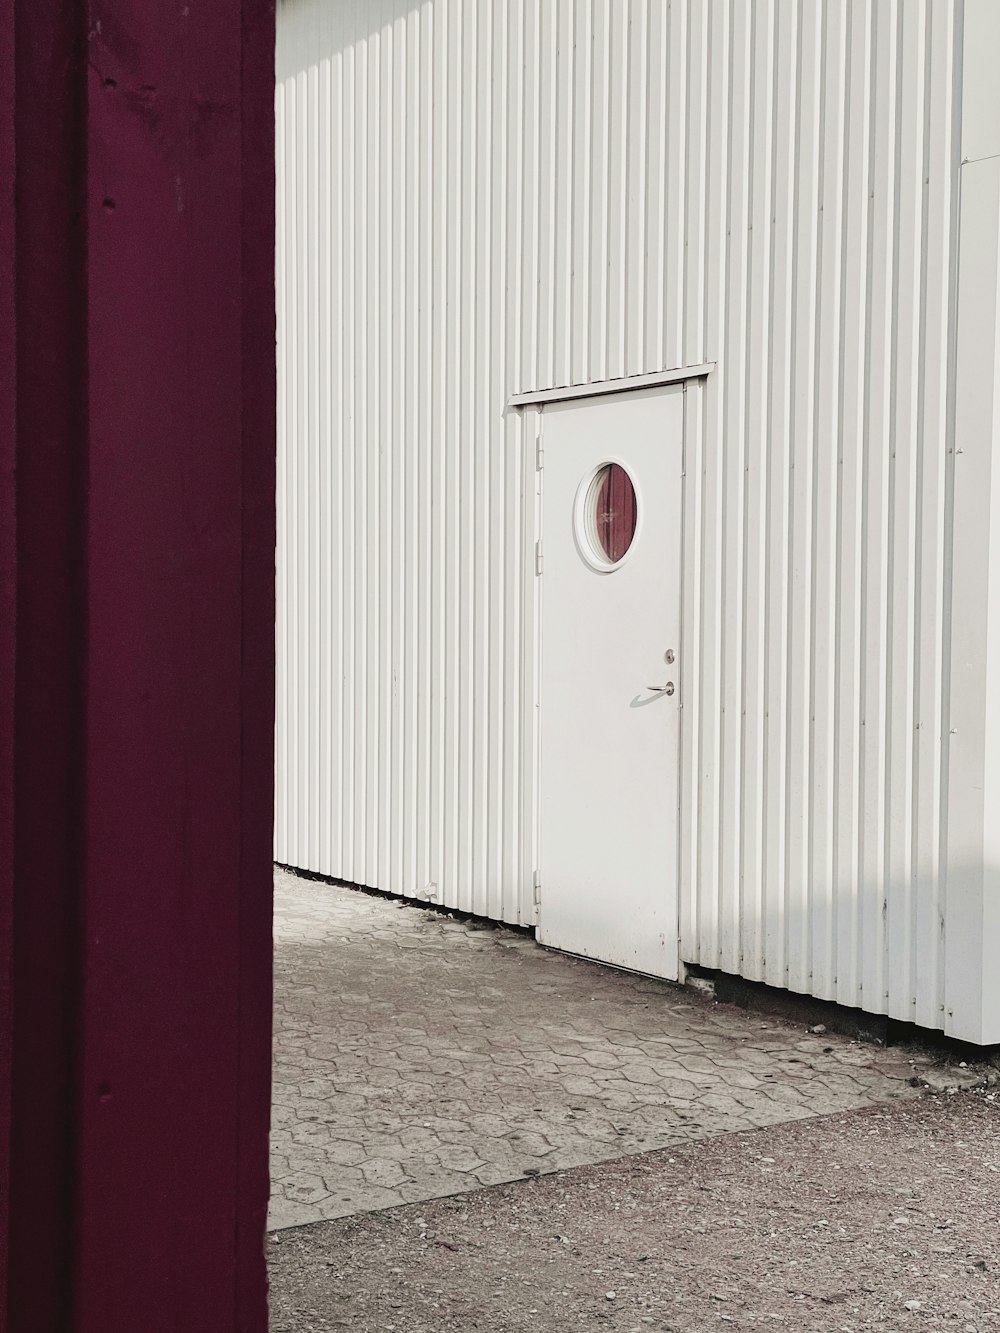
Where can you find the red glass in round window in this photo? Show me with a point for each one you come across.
(615, 510)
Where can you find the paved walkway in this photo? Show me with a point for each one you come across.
(417, 1056)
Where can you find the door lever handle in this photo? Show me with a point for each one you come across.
(662, 689)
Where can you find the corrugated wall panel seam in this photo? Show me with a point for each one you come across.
(480, 200)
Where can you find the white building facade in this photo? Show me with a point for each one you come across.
(639, 479)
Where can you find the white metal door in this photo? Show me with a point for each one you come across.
(610, 677)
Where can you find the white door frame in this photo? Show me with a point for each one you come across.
(534, 444)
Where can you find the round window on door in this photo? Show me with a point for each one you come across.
(609, 516)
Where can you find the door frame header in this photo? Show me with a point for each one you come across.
(624, 384)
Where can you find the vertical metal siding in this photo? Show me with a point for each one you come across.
(479, 199)
(813, 825)
(409, 243)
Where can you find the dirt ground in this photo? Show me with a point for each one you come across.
(887, 1218)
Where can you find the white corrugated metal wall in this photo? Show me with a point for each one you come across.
(480, 197)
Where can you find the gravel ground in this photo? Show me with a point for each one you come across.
(887, 1218)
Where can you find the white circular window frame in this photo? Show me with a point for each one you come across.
(584, 527)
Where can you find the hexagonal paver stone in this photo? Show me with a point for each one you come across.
(383, 1171)
(300, 1187)
(532, 1144)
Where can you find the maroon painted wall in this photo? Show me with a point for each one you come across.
(136, 663)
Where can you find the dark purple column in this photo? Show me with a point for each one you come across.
(136, 663)
(8, 598)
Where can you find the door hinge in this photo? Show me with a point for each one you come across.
(538, 556)
(539, 452)
(536, 896)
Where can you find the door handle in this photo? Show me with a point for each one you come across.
(662, 689)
